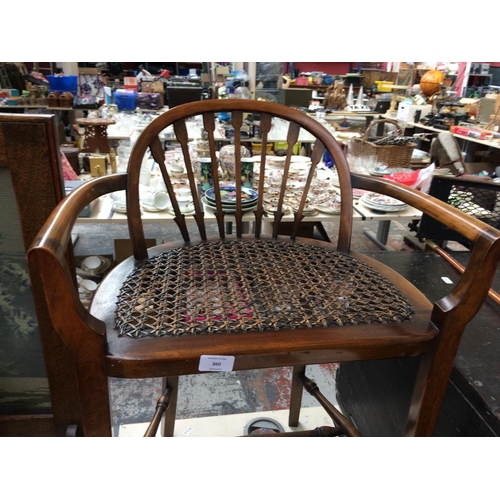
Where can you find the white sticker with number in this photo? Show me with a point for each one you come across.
(211, 363)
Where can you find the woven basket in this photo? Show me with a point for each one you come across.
(392, 156)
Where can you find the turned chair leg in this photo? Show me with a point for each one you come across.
(296, 395)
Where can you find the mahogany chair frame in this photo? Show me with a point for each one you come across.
(433, 333)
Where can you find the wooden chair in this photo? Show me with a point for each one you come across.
(267, 300)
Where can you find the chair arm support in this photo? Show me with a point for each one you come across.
(476, 280)
(47, 254)
(56, 232)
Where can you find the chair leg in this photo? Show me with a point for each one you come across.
(168, 421)
(94, 398)
(430, 386)
(345, 425)
(296, 395)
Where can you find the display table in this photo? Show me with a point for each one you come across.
(103, 212)
(384, 221)
(468, 144)
(194, 129)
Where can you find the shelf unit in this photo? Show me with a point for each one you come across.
(475, 82)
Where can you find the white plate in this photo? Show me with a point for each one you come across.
(382, 208)
(300, 159)
(121, 209)
(380, 173)
(189, 211)
(369, 202)
(381, 200)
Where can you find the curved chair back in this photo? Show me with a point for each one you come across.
(207, 111)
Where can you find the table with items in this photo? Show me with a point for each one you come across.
(323, 204)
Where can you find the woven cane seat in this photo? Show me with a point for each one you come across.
(253, 285)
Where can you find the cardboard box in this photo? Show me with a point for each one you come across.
(406, 112)
(158, 87)
(162, 98)
(130, 82)
(222, 70)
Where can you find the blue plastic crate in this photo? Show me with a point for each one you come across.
(66, 83)
(125, 99)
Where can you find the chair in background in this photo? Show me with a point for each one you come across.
(253, 300)
(472, 195)
(446, 153)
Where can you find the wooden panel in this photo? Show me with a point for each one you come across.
(27, 426)
(31, 153)
(3, 154)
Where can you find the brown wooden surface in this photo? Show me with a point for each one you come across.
(433, 333)
(29, 148)
(27, 426)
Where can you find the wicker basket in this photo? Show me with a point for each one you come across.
(392, 156)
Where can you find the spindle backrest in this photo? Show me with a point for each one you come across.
(150, 140)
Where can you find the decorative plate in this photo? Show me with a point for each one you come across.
(225, 208)
(228, 194)
(381, 200)
(231, 206)
(358, 193)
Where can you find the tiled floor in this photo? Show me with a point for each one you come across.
(209, 397)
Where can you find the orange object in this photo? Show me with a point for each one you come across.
(431, 81)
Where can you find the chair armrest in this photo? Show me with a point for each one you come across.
(452, 217)
(47, 254)
(56, 231)
(476, 280)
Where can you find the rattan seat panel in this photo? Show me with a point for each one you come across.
(253, 285)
